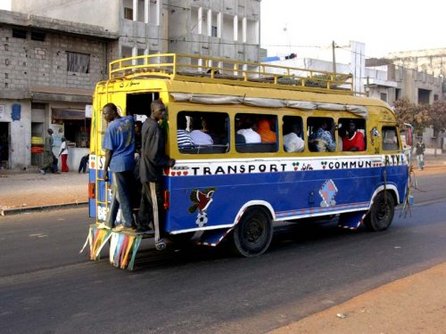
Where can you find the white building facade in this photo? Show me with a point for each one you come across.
(227, 28)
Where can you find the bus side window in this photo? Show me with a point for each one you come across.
(255, 133)
(389, 138)
(320, 134)
(202, 132)
(292, 134)
(351, 134)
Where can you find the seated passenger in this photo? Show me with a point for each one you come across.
(198, 134)
(353, 140)
(183, 136)
(291, 140)
(321, 139)
(264, 130)
(251, 137)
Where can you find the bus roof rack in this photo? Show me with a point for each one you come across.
(227, 71)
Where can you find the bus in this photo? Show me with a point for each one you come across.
(233, 185)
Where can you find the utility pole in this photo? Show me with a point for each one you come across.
(333, 46)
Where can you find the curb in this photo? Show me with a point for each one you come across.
(16, 211)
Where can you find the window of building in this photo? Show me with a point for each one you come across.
(78, 62)
(19, 33)
(38, 36)
(389, 138)
(126, 51)
(256, 133)
(320, 131)
(424, 96)
(351, 134)
(202, 132)
(383, 97)
(293, 140)
(128, 13)
(214, 31)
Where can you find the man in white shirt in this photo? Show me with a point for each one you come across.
(199, 136)
(251, 137)
(292, 142)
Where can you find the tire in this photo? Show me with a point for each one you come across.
(381, 213)
(253, 234)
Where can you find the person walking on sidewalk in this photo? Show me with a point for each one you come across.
(119, 146)
(419, 152)
(153, 160)
(48, 155)
(63, 155)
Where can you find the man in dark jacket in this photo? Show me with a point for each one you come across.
(153, 160)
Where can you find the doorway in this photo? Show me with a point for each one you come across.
(4, 144)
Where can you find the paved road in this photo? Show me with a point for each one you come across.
(47, 287)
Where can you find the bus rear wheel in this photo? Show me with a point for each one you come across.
(381, 213)
(253, 234)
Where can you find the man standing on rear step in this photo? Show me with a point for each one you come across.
(119, 146)
(153, 160)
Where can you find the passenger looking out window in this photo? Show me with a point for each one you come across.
(321, 138)
(292, 140)
(353, 140)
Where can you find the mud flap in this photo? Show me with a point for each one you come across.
(213, 238)
(351, 220)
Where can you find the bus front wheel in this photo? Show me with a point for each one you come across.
(253, 234)
(381, 213)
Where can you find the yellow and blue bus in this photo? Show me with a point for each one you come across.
(233, 185)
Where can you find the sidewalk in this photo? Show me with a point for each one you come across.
(30, 190)
(414, 304)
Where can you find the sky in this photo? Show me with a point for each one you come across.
(308, 28)
(384, 26)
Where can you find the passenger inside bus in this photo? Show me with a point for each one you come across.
(353, 139)
(246, 130)
(199, 131)
(264, 130)
(183, 136)
(292, 141)
(321, 139)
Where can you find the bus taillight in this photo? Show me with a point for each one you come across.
(91, 190)
(166, 199)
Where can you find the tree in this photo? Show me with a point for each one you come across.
(438, 116)
(438, 120)
(416, 115)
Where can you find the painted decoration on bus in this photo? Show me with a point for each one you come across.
(328, 193)
(200, 203)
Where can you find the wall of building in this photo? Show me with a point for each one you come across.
(430, 61)
(19, 131)
(98, 12)
(35, 71)
(227, 29)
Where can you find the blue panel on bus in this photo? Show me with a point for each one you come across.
(215, 200)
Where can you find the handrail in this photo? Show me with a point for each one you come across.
(204, 68)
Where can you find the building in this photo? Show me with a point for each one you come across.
(54, 53)
(229, 28)
(48, 70)
(390, 82)
(378, 78)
